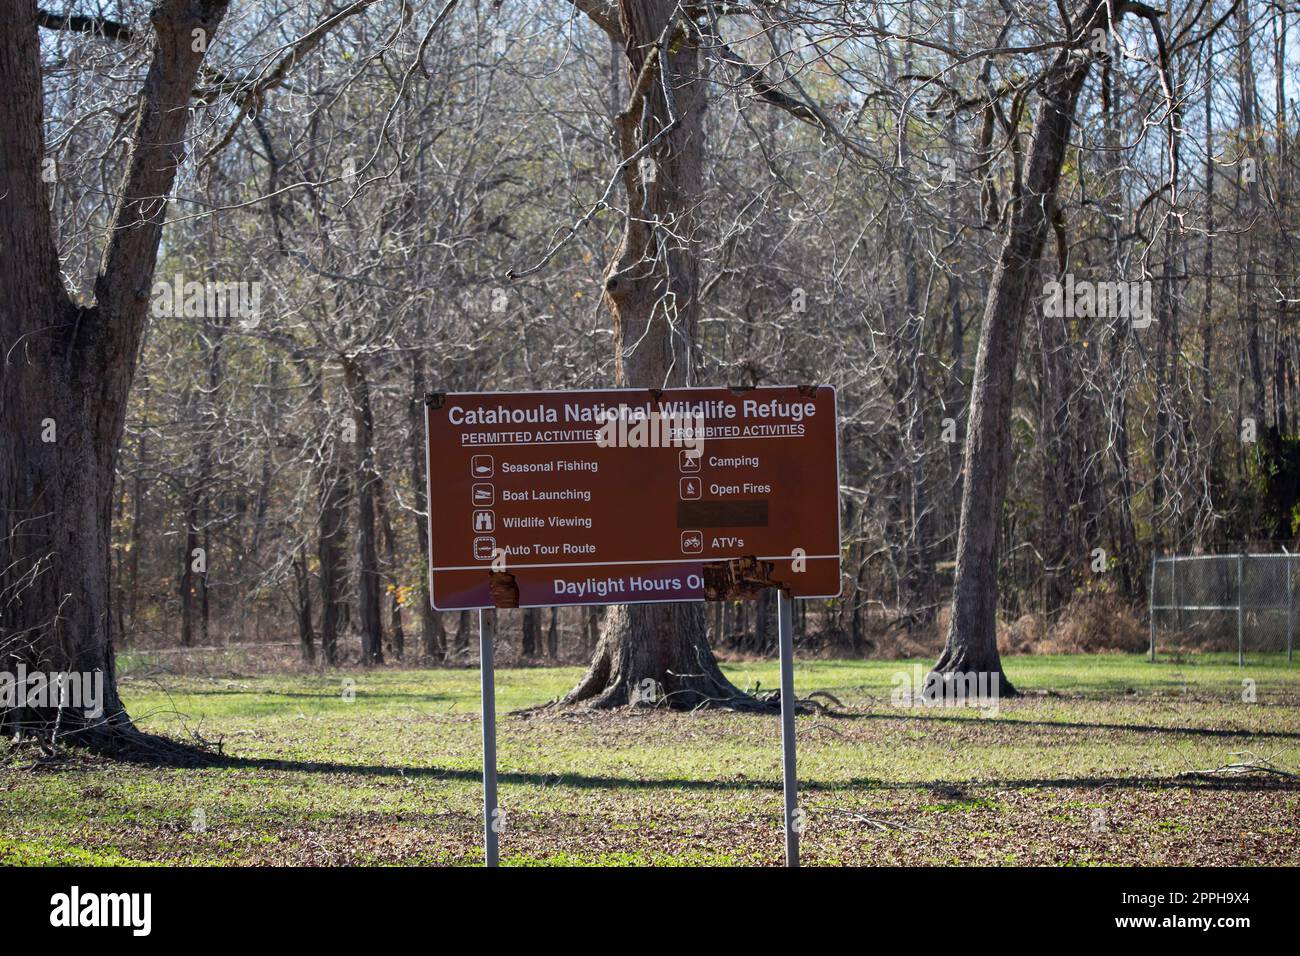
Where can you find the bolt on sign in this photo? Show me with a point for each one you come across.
(628, 496)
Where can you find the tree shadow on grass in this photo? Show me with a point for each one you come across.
(1070, 725)
(334, 695)
(165, 752)
(128, 744)
(1192, 781)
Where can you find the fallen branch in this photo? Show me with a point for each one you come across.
(883, 825)
(1255, 765)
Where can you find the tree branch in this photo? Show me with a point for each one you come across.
(251, 93)
(105, 27)
(157, 150)
(603, 13)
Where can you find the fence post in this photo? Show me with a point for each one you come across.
(1173, 594)
(1151, 605)
(1290, 607)
(1240, 609)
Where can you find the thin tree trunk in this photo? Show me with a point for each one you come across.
(972, 635)
(368, 574)
(463, 626)
(433, 637)
(331, 535)
(530, 631)
(1058, 472)
(188, 558)
(137, 514)
(394, 582)
(302, 582)
(1285, 274)
(1254, 214)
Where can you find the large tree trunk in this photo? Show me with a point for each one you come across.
(972, 635)
(66, 369)
(656, 652)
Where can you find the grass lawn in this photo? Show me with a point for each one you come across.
(1097, 764)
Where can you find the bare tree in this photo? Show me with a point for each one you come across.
(651, 290)
(68, 367)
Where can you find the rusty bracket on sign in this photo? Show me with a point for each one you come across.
(739, 579)
(503, 589)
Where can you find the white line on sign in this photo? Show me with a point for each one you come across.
(603, 564)
(592, 441)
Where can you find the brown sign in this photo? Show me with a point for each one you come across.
(627, 496)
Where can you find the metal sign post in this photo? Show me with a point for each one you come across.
(487, 678)
(789, 779)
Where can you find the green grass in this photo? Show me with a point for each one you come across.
(1095, 764)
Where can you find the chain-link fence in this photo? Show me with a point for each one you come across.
(1225, 602)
